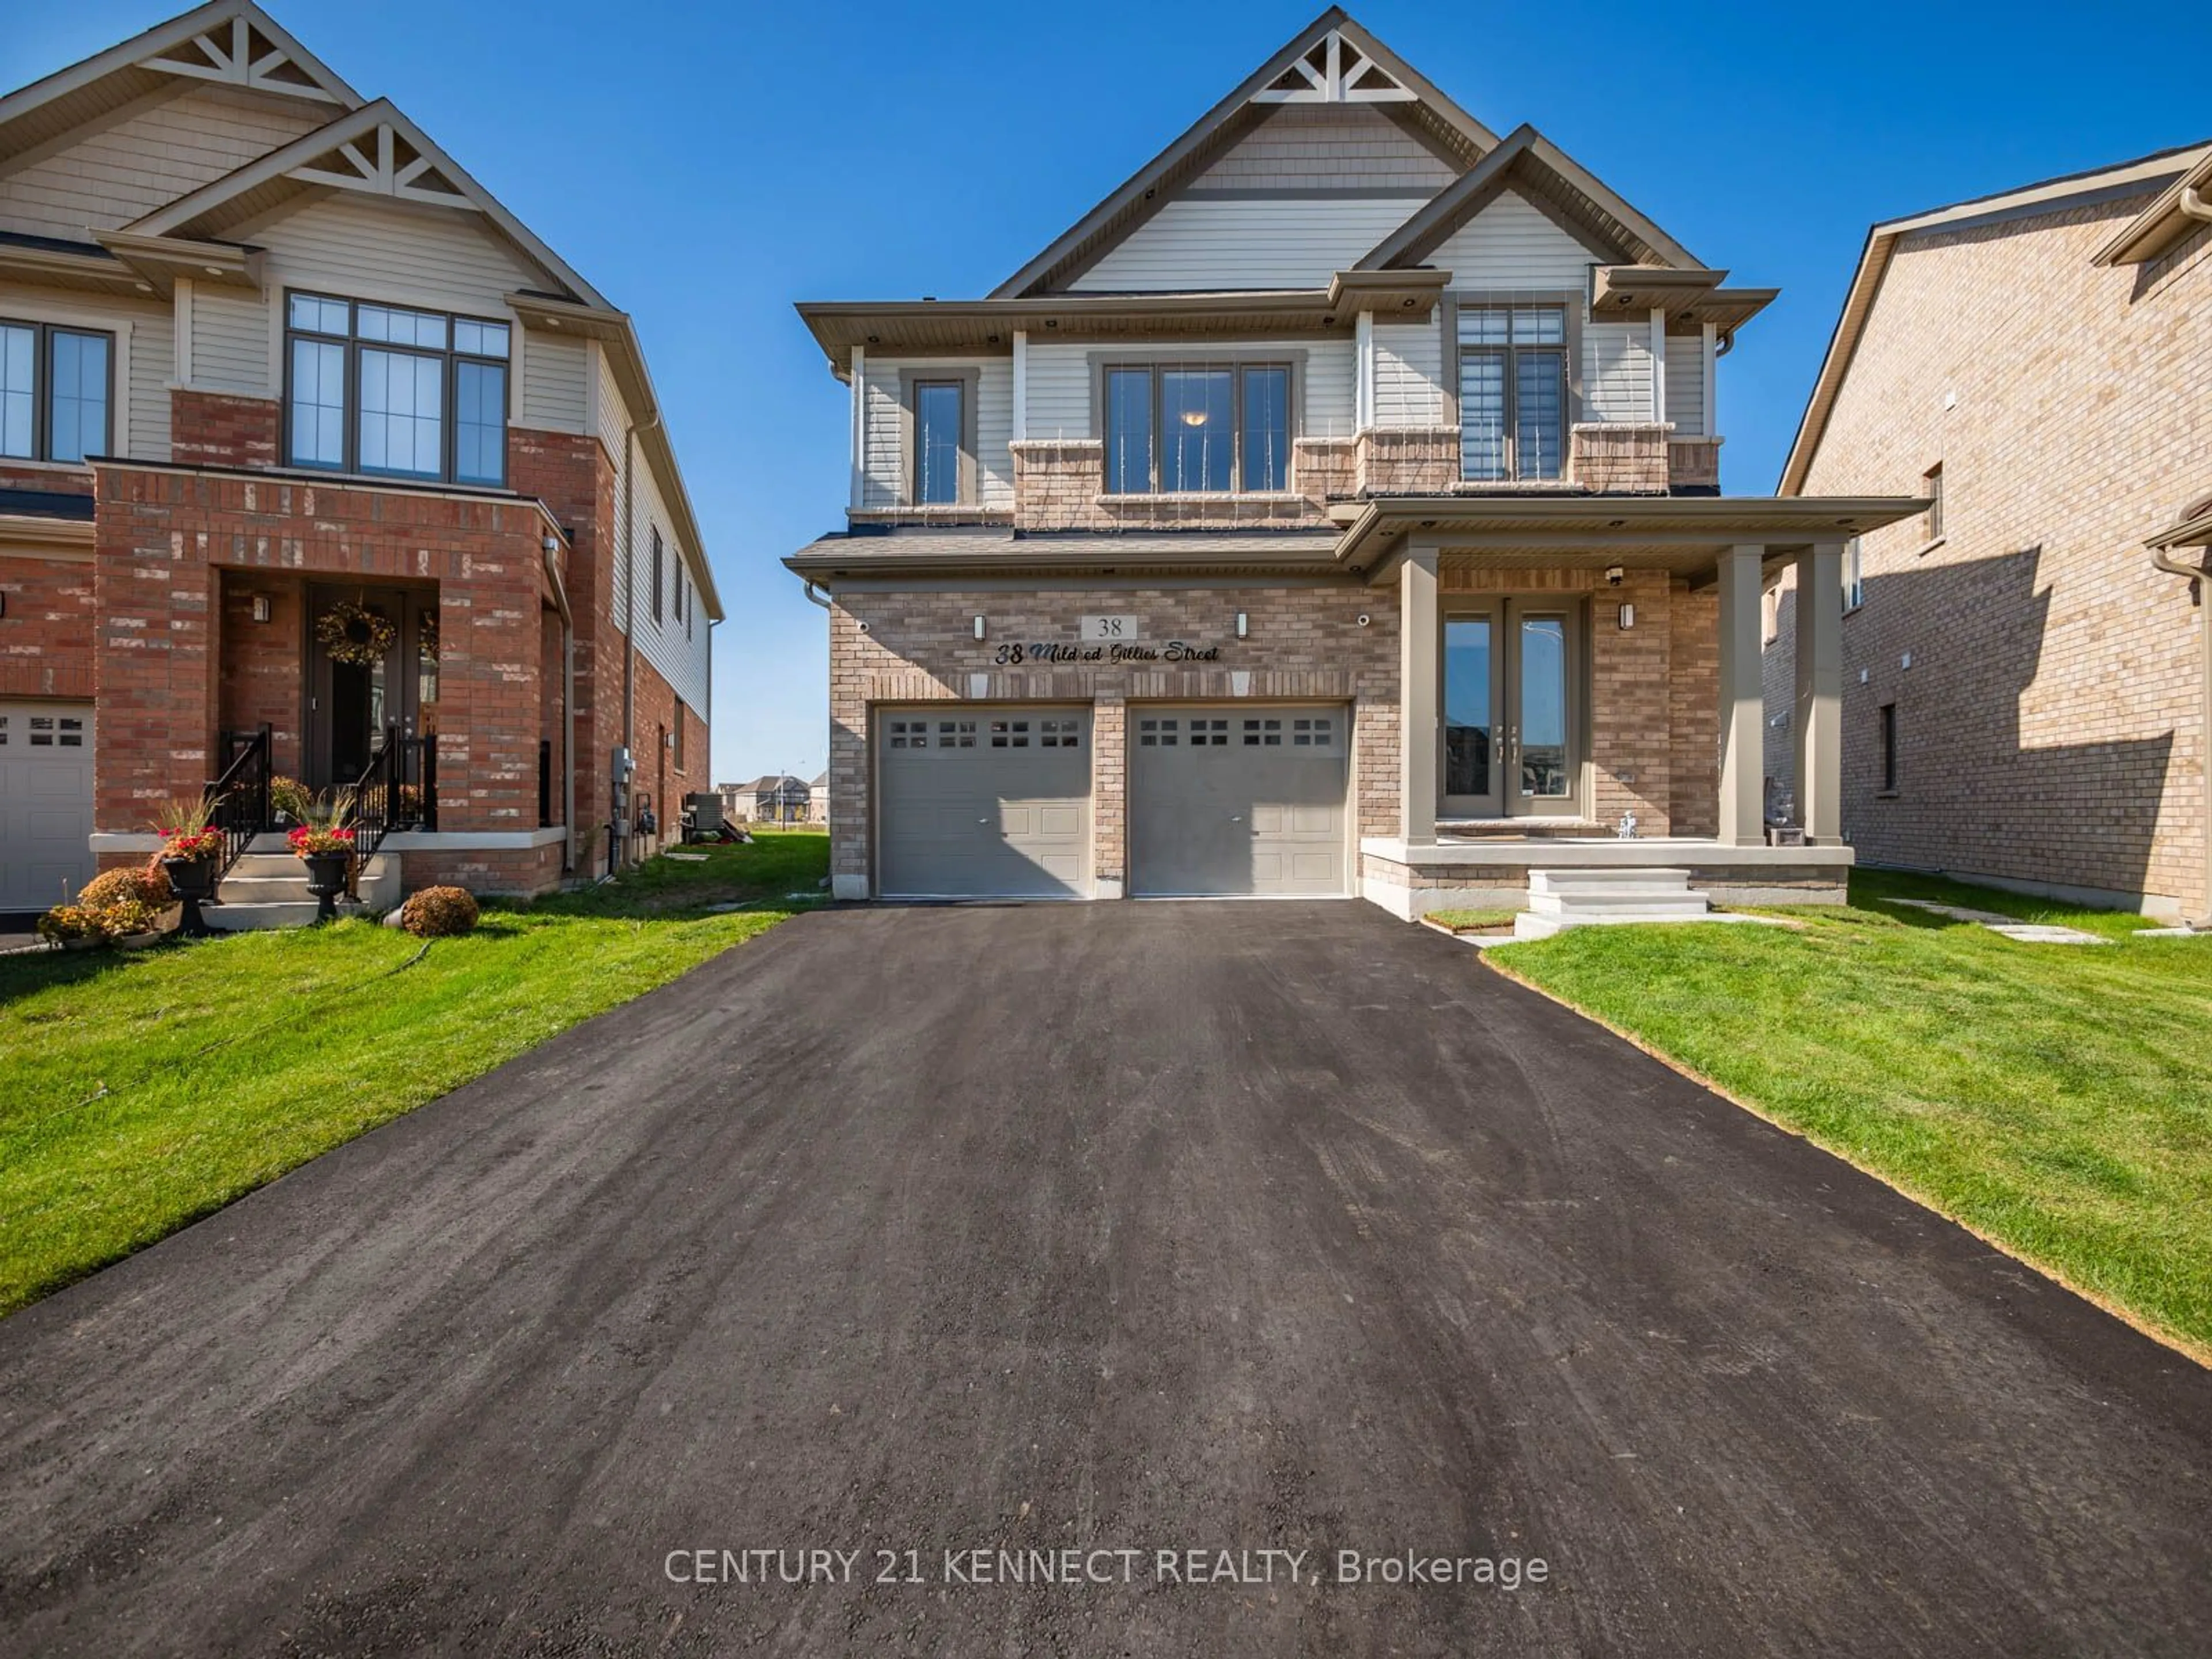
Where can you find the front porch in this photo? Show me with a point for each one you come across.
(1582, 691)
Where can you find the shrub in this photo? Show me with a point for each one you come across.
(439, 913)
(70, 922)
(126, 916)
(148, 886)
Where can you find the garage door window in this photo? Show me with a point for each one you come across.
(1158, 734)
(1315, 734)
(49, 731)
(1263, 733)
(1010, 734)
(1058, 734)
(955, 734)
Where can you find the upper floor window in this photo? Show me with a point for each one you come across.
(660, 570)
(939, 441)
(1854, 575)
(1198, 429)
(382, 389)
(1931, 486)
(1512, 392)
(56, 390)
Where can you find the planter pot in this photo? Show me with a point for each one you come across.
(327, 874)
(192, 881)
(139, 941)
(80, 944)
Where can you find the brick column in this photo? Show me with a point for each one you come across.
(1110, 795)
(1742, 804)
(154, 667)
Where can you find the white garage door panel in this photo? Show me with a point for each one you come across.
(1241, 800)
(984, 803)
(46, 803)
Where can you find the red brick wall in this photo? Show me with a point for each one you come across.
(264, 665)
(162, 536)
(46, 637)
(657, 771)
(59, 481)
(217, 428)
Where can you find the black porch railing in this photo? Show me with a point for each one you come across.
(399, 790)
(240, 794)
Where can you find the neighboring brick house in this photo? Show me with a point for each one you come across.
(2025, 692)
(301, 432)
(1335, 509)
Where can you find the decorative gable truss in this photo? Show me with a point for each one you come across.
(244, 51)
(383, 163)
(1334, 70)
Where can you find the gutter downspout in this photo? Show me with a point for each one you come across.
(2198, 577)
(567, 711)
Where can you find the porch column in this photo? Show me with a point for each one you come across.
(1418, 630)
(1818, 718)
(1742, 806)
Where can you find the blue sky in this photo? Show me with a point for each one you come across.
(707, 165)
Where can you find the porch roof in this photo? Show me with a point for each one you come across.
(1681, 533)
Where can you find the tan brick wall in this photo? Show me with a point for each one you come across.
(1617, 458)
(1421, 460)
(1303, 643)
(2050, 725)
(1059, 484)
(1653, 689)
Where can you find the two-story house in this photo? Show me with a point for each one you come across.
(316, 463)
(2028, 691)
(1333, 509)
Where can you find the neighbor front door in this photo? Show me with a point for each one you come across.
(1512, 707)
(351, 702)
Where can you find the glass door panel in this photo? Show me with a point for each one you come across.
(1470, 703)
(1541, 693)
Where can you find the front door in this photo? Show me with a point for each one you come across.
(1512, 710)
(372, 657)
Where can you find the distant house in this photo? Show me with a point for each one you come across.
(772, 797)
(817, 800)
(2027, 673)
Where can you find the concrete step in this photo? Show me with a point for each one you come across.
(1654, 901)
(251, 918)
(1585, 879)
(286, 864)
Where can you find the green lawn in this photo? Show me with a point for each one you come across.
(145, 1090)
(1471, 922)
(2058, 1099)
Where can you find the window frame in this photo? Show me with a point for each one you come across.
(1931, 483)
(1886, 749)
(1854, 574)
(42, 390)
(968, 380)
(1569, 349)
(660, 569)
(1104, 366)
(450, 358)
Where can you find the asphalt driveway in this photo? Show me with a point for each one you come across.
(1120, 1230)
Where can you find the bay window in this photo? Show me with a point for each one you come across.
(395, 391)
(1197, 428)
(1512, 392)
(56, 392)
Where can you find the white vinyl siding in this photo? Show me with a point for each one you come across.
(556, 383)
(994, 427)
(681, 661)
(111, 178)
(885, 481)
(1063, 404)
(890, 478)
(144, 362)
(1328, 147)
(1685, 384)
(375, 248)
(1204, 243)
(1511, 246)
(1409, 366)
(1617, 371)
(230, 340)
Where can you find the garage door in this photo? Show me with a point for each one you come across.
(1240, 801)
(984, 803)
(46, 803)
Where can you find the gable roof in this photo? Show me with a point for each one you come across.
(1557, 184)
(227, 42)
(374, 149)
(1333, 59)
(2121, 180)
(2180, 209)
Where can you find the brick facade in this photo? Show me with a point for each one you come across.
(45, 633)
(1621, 458)
(1304, 643)
(1416, 460)
(2050, 723)
(215, 429)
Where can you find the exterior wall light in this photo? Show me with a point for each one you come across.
(261, 609)
(1243, 625)
(979, 628)
(1628, 616)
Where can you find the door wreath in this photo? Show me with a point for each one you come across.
(355, 635)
